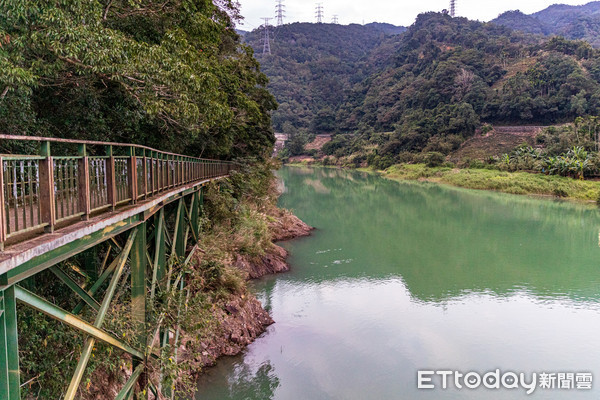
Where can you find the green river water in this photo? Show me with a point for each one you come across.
(402, 277)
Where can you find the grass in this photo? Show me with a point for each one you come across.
(508, 182)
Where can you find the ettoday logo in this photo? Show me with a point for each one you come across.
(496, 380)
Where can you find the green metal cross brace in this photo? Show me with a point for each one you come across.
(195, 218)
(74, 286)
(160, 253)
(90, 341)
(178, 235)
(96, 286)
(126, 390)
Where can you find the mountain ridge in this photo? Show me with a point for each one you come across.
(580, 22)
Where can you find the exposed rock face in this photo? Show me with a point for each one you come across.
(272, 262)
(287, 226)
(241, 321)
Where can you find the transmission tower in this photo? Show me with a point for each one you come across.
(279, 12)
(452, 8)
(319, 13)
(334, 20)
(267, 40)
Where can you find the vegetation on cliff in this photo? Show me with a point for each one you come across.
(173, 75)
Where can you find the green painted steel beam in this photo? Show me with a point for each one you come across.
(108, 296)
(62, 253)
(160, 257)
(127, 389)
(138, 290)
(179, 232)
(11, 342)
(59, 314)
(4, 388)
(96, 286)
(195, 216)
(85, 296)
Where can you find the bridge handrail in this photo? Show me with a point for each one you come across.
(44, 191)
(97, 143)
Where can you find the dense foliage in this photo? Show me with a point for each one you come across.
(311, 68)
(437, 84)
(573, 22)
(170, 74)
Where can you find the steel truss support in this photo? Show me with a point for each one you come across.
(152, 256)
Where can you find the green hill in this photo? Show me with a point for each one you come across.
(312, 66)
(427, 89)
(572, 22)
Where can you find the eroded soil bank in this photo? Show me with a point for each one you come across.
(242, 318)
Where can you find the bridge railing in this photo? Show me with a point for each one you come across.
(39, 193)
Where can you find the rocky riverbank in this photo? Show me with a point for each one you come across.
(241, 319)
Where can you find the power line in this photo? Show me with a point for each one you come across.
(319, 13)
(267, 40)
(279, 12)
(335, 20)
(452, 8)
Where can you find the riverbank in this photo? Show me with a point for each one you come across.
(525, 183)
(501, 181)
(241, 224)
(239, 246)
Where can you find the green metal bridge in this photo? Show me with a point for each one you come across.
(132, 213)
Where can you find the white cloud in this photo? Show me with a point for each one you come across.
(395, 12)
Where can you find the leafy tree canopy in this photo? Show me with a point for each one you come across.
(170, 74)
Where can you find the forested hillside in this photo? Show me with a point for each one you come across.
(429, 88)
(173, 75)
(448, 75)
(312, 66)
(572, 22)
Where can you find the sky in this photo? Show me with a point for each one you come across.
(397, 12)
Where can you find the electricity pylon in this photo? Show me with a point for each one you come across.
(279, 12)
(267, 40)
(319, 13)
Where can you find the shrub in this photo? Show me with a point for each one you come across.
(434, 159)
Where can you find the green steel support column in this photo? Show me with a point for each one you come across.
(3, 346)
(138, 291)
(11, 338)
(195, 219)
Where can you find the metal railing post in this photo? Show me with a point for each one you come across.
(111, 183)
(83, 184)
(47, 200)
(132, 175)
(145, 174)
(3, 220)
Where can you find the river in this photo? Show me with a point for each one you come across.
(407, 277)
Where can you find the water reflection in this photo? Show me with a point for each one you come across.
(444, 241)
(402, 277)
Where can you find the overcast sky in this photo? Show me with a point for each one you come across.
(397, 12)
